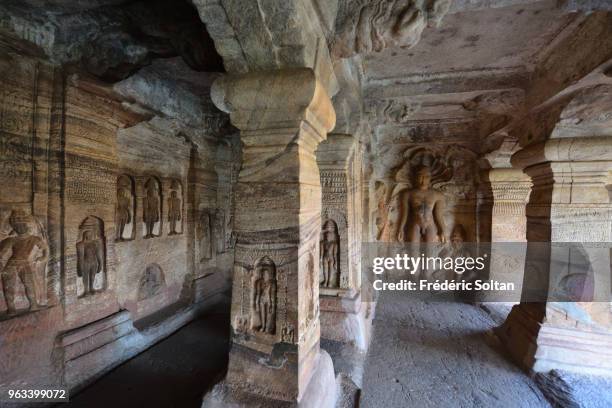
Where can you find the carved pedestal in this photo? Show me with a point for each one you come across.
(569, 203)
(282, 117)
(342, 314)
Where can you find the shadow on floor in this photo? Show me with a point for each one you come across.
(173, 373)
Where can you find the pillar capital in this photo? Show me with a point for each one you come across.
(275, 99)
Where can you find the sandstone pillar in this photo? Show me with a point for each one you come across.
(282, 117)
(510, 189)
(342, 314)
(569, 203)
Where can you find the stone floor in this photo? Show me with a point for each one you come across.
(172, 373)
(440, 355)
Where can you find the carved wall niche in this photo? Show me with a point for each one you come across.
(152, 208)
(330, 254)
(24, 254)
(451, 173)
(126, 209)
(263, 296)
(91, 257)
(152, 282)
(175, 208)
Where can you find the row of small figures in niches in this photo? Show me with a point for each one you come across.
(151, 206)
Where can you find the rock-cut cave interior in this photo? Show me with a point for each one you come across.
(194, 196)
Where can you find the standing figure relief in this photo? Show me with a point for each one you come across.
(90, 254)
(26, 252)
(422, 218)
(151, 207)
(174, 212)
(263, 296)
(330, 254)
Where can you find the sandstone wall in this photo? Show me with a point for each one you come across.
(103, 249)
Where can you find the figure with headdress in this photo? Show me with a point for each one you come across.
(27, 250)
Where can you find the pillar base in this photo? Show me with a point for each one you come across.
(344, 318)
(541, 347)
(322, 391)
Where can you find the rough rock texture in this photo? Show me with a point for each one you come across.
(568, 390)
(112, 38)
(436, 355)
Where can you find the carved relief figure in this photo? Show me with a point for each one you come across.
(151, 207)
(375, 25)
(263, 296)
(423, 216)
(27, 251)
(330, 254)
(90, 253)
(220, 230)
(152, 282)
(125, 207)
(205, 236)
(174, 212)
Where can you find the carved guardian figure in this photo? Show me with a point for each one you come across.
(26, 251)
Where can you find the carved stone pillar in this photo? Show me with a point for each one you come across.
(569, 203)
(282, 117)
(510, 190)
(342, 314)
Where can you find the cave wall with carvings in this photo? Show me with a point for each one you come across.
(109, 214)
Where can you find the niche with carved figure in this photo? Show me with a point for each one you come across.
(330, 255)
(151, 208)
(175, 208)
(126, 208)
(430, 189)
(91, 257)
(152, 282)
(263, 288)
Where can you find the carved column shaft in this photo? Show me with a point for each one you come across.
(569, 203)
(510, 190)
(282, 116)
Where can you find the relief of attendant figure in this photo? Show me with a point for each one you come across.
(27, 251)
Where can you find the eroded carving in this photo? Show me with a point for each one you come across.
(330, 254)
(91, 255)
(263, 296)
(125, 208)
(152, 208)
(152, 282)
(26, 252)
(205, 236)
(372, 26)
(175, 204)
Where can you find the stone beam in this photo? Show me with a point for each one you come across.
(259, 36)
(282, 117)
